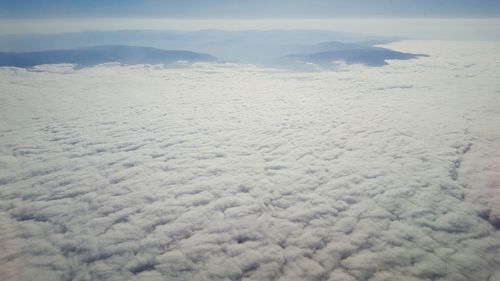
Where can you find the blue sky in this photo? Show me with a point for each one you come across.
(18, 9)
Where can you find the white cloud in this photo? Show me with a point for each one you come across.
(238, 173)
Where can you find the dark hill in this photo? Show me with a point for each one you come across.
(371, 56)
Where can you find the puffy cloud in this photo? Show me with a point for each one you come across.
(232, 172)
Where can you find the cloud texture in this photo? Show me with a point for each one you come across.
(230, 172)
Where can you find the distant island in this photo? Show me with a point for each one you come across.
(91, 56)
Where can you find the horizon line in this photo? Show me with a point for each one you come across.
(406, 27)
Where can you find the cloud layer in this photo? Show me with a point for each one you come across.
(230, 172)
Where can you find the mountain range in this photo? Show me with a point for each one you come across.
(281, 48)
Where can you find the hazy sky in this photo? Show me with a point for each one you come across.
(428, 19)
(16, 9)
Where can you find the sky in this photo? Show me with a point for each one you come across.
(425, 19)
(15, 9)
